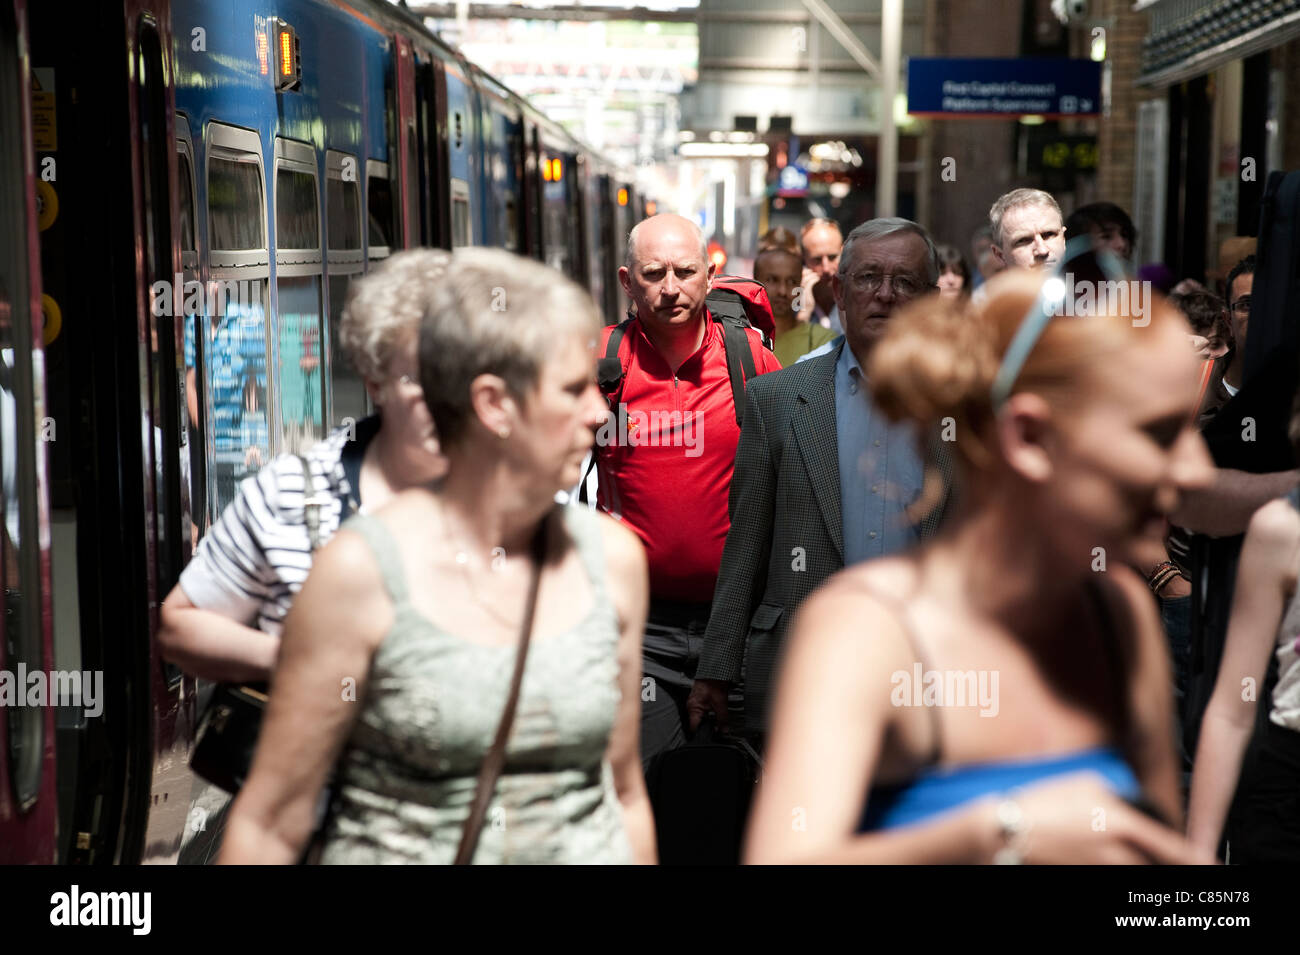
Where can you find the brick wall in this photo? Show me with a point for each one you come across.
(982, 149)
(1117, 136)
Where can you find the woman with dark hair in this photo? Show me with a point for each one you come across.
(1107, 224)
(954, 273)
(994, 695)
(396, 664)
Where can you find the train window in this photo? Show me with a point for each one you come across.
(462, 230)
(301, 384)
(300, 381)
(234, 204)
(297, 224)
(238, 337)
(343, 214)
(380, 211)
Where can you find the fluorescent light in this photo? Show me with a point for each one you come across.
(722, 150)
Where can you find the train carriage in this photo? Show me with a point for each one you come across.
(190, 187)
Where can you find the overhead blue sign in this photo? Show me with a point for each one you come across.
(792, 181)
(943, 87)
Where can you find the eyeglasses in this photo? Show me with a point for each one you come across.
(1242, 305)
(871, 283)
(1045, 307)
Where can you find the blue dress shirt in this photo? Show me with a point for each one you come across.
(881, 472)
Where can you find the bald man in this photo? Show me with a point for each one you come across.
(666, 472)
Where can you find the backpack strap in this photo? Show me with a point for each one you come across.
(609, 376)
(740, 361)
(609, 370)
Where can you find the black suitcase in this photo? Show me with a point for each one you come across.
(701, 793)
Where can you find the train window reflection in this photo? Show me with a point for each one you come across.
(343, 214)
(297, 224)
(235, 204)
(236, 364)
(349, 389)
(379, 201)
(298, 318)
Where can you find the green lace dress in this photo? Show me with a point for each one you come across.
(406, 777)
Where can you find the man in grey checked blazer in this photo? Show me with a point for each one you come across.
(788, 519)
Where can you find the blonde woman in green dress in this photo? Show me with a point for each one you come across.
(397, 656)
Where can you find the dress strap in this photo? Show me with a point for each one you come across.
(909, 633)
(384, 548)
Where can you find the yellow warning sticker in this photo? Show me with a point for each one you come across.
(51, 319)
(47, 205)
(45, 137)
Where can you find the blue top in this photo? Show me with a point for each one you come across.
(936, 791)
(880, 470)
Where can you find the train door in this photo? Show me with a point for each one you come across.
(532, 192)
(28, 797)
(408, 180)
(431, 137)
(119, 432)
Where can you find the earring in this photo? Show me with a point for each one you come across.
(503, 433)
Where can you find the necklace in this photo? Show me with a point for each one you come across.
(461, 557)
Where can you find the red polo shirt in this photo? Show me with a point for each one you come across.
(667, 476)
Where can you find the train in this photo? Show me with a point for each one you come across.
(187, 187)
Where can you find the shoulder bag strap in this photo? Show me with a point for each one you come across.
(310, 504)
(496, 757)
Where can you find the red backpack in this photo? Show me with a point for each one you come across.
(744, 299)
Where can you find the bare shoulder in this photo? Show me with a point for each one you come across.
(879, 581)
(1276, 525)
(854, 615)
(346, 586)
(623, 548)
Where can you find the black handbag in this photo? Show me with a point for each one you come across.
(227, 734)
(701, 793)
(228, 730)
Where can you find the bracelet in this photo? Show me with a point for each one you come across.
(1163, 573)
(1013, 826)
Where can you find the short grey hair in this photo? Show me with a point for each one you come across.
(1014, 199)
(629, 256)
(874, 229)
(384, 309)
(494, 313)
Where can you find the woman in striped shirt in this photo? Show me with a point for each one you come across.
(222, 620)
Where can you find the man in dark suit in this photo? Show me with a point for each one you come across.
(822, 479)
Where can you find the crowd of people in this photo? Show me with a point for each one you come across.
(959, 568)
